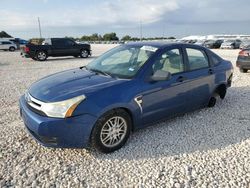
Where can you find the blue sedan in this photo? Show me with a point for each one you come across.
(128, 88)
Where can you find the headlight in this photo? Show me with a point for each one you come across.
(62, 109)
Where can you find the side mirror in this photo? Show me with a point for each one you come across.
(161, 75)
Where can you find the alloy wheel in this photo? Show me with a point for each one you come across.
(113, 132)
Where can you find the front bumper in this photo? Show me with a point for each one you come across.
(71, 132)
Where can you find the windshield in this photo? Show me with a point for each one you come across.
(123, 61)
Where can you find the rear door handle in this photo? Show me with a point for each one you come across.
(181, 79)
(210, 71)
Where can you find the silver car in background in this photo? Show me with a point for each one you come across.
(231, 44)
(245, 44)
(8, 45)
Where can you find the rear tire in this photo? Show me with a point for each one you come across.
(243, 70)
(12, 49)
(84, 54)
(212, 101)
(41, 56)
(111, 131)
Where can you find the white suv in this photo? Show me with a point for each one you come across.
(8, 45)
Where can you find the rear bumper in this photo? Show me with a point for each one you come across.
(56, 132)
(23, 54)
(243, 64)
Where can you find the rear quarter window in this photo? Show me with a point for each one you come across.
(216, 60)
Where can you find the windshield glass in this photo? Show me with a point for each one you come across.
(123, 61)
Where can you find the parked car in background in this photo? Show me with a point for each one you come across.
(213, 43)
(245, 44)
(200, 42)
(8, 45)
(55, 47)
(231, 44)
(125, 89)
(243, 60)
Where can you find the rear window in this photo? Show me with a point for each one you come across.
(197, 59)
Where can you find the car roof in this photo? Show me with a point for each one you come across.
(163, 44)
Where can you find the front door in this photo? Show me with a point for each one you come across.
(167, 98)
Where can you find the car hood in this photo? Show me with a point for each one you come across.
(68, 84)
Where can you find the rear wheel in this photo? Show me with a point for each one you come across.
(84, 54)
(212, 102)
(243, 70)
(111, 131)
(41, 56)
(12, 49)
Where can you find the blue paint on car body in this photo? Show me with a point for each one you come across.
(183, 92)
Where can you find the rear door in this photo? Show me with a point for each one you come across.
(200, 75)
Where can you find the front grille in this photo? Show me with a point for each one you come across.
(34, 104)
(36, 111)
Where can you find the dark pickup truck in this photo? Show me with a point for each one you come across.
(56, 47)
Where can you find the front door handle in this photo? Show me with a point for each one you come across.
(181, 79)
(210, 71)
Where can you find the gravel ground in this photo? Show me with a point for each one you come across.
(205, 148)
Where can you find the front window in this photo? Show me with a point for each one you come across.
(123, 61)
(169, 61)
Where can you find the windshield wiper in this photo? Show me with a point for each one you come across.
(101, 72)
(85, 67)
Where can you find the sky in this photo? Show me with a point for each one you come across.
(158, 18)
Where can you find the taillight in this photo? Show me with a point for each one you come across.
(245, 53)
(26, 49)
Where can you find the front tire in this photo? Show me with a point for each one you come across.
(111, 131)
(12, 49)
(84, 54)
(41, 56)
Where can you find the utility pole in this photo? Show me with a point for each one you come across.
(40, 31)
(140, 30)
(163, 31)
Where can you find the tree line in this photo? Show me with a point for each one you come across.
(97, 37)
(113, 37)
(3, 34)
